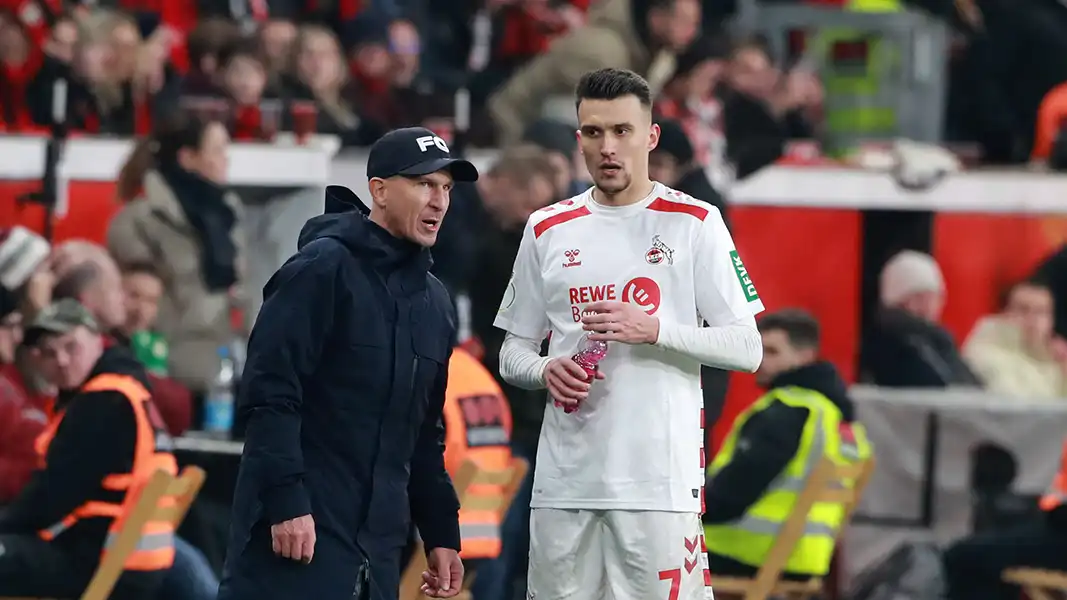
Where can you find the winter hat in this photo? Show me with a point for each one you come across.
(909, 272)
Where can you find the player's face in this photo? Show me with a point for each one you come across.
(414, 207)
(615, 138)
(779, 356)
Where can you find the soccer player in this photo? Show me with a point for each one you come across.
(617, 490)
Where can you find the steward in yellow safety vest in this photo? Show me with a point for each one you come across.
(763, 464)
(477, 423)
(102, 443)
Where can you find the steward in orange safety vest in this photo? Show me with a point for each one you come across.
(477, 423)
(102, 443)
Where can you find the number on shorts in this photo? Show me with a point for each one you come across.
(675, 577)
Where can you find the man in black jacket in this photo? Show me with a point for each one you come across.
(93, 437)
(771, 438)
(343, 390)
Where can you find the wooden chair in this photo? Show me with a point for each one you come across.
(823, 485)
(1038, 584)
(468, 477)
(182, 489)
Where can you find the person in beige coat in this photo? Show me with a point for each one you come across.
(639, 35)
(179, 217)
(1013, 352)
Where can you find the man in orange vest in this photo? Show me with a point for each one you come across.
(478, 428)
(973, 565)
(103, 440)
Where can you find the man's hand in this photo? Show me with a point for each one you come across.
(624, 322)
(567, 382)
(443, 576)
(294, 539)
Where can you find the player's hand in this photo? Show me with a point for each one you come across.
(611, 321)
(294, 539)
(443, 576)
(567, 382)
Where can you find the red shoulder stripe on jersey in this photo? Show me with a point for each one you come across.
(670, 206)
(562, 217)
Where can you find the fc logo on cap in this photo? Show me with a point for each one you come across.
(426, 141)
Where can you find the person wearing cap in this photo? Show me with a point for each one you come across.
(102, 440)
(342, 394)
(907, 346)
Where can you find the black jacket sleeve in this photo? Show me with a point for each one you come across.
(765, 445)
(284, 347)
(95, 439)
(434, 505)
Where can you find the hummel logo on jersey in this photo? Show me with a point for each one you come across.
(659, 252)
(572, 258)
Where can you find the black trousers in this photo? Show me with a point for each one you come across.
(30, 566)
(973, 565)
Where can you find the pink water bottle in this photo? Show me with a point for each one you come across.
(588, 357)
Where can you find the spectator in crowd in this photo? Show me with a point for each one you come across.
(690, 98)
(766, 457)
(1012, 352)
(21, 419)
(320, 74)
(560, 141)
(907, 347)
(974, 565)
(276, 40)
(53, 533)
(244, 80)
(183, 220)
(1053, 272)
(205, 45)
(143, 288)
(763, 108)
(640, 35)
(17, 65)
(673, 163)
(1051, 124)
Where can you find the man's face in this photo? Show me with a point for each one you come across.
(10, 337)
(277, 38)
(925, 305)
(143, 291)
(780, 356)
(245, 80)
(211, 159)
(414, 207)
(677, 26)
(561, 165)
(751, 72)
(1031, 307)
(663, 167)
(65, 360)
(615, 137)
(104, 297)
(513, 203)
(61, 42)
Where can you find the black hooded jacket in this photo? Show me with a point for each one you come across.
(773, 437)
(343, 391)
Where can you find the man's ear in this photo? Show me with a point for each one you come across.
(377, 192)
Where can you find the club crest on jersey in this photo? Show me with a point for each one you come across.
(659, 252)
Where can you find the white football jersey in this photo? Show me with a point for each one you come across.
(637, 442)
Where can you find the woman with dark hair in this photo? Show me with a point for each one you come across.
(180, 217)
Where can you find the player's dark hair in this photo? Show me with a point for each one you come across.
(610, 84)
(140, 268)
(798, 325)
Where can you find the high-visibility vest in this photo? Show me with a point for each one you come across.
(477, 428)
(152, 451)
(1056, 494)
(749, 539)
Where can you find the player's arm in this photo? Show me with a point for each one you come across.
(727, 301)
(523, 314)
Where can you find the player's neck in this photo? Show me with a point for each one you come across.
(634, 193)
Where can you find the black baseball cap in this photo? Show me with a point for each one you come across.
(415, 151)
